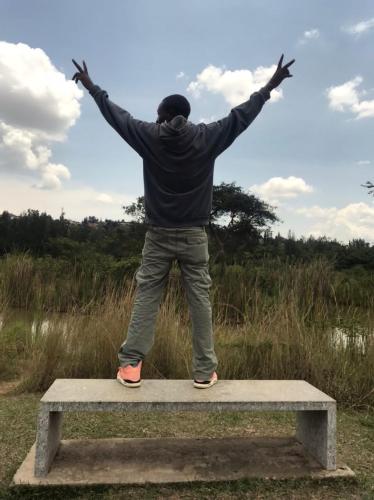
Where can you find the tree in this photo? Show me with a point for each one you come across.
(369, 185)
(136, 209)
(247, 214)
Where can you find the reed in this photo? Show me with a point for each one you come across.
(273, 321)
(57, 285)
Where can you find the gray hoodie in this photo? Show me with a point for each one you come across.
(178, 157)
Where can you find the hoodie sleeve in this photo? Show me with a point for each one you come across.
(222, 133)
(138, 134)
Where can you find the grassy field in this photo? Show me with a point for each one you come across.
(286, 337)
(87, 348)
(355, 447)
(276, 321)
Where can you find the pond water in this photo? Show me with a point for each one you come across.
(351, 336)
(346, 337)
(34, 323)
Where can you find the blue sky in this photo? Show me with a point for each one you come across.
(307, 152)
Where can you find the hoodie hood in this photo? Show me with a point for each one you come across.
(177, 135)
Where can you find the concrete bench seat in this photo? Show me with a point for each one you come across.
(315, 410)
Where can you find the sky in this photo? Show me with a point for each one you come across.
(307, 153)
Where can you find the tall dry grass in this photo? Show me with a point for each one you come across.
(57, 285)
(273, 322)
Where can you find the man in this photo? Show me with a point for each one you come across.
(178, 163)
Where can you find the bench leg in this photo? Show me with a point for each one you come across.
(48, 436)
(316, 430)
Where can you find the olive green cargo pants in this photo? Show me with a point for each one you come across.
(189, 245)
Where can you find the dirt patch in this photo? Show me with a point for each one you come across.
(7, 386)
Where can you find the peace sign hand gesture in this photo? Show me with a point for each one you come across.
(280, 74)
(82, 75)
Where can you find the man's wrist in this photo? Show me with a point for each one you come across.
(265, 92)
(90, 87)
(94, 89)
(268, 87)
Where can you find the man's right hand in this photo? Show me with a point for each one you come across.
(82, 75)
(279, 75)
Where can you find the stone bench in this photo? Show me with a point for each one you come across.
(315, 411)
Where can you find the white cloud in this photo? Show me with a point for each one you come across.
(104, 198)
(316, 211)
(52, 175)
(78, 202)
(235, 86)
(278, 188)
(38, 106)
(312, 34)
(363, 162)
(360, 28)
(346, 97)
(181, 74)
(207, 119)
(355, 220)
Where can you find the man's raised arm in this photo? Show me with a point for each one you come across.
(222, 133)
(135, 132)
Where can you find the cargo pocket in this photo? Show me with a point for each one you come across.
(196, 240)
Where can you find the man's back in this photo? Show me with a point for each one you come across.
(178, 157)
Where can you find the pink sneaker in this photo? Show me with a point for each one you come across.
(204, 384)
(130, 375)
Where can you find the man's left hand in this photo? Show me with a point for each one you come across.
(280, 74)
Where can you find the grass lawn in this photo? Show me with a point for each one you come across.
(355, 443)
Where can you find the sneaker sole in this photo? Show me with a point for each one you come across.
(205, 386)
(129, 384)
